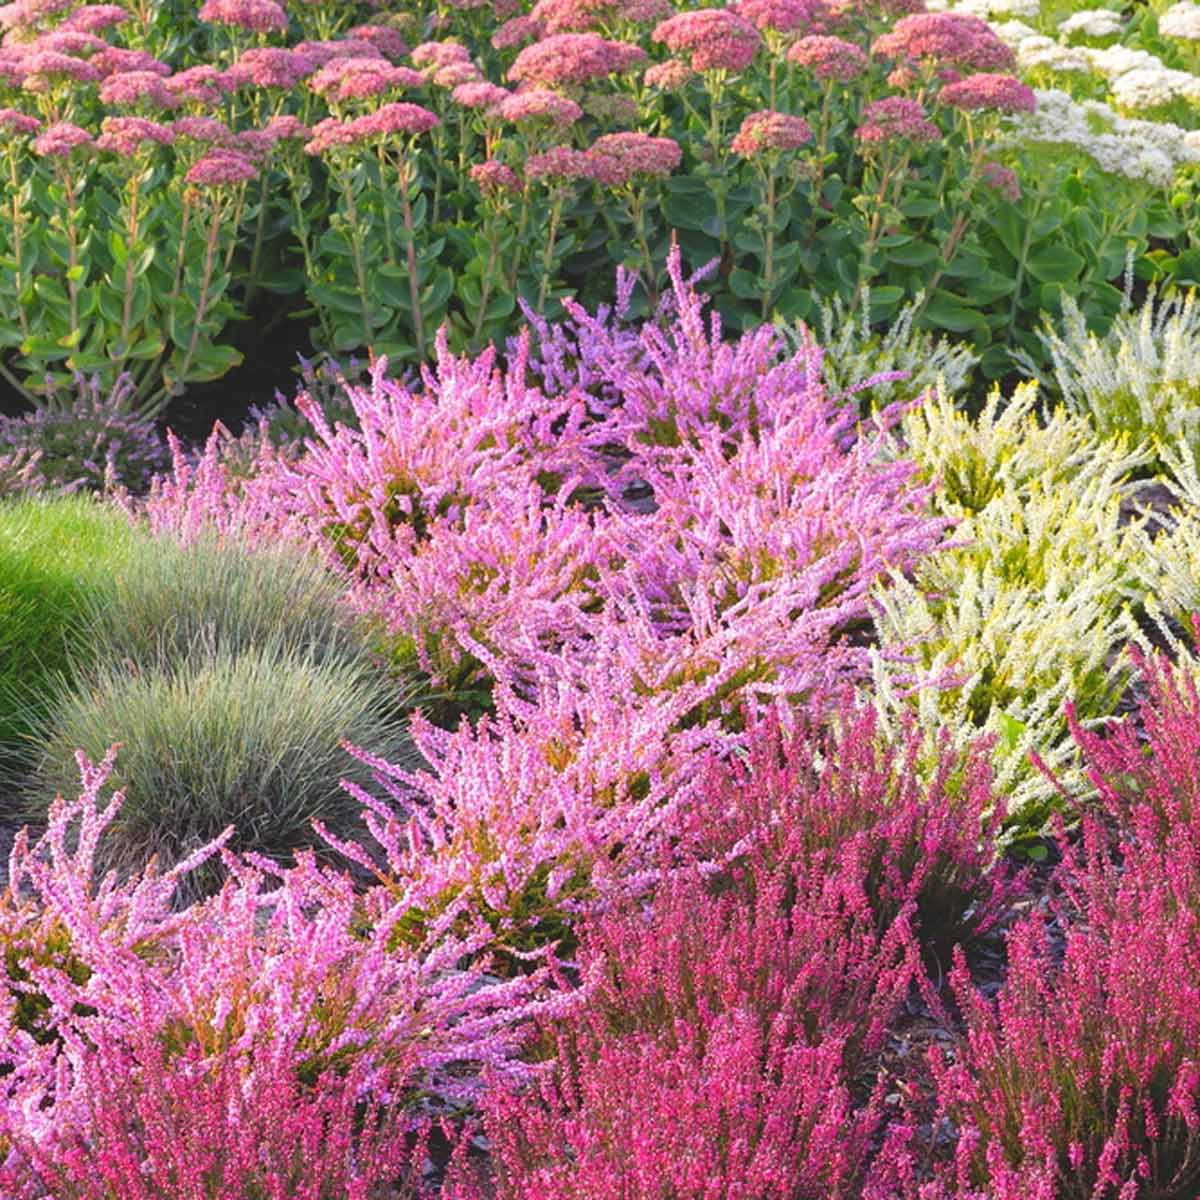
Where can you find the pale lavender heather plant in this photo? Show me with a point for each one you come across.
(89, 439)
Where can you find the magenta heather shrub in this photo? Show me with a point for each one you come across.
(1081, 1079)
(237, 1039)
(724, 1045)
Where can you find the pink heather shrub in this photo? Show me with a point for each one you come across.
(573, 60)
(714, 39)
(232, 1046)
(992, 93)
(728, 1023)
(943, 39)
(766, 131)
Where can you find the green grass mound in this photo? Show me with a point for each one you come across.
(56, 554)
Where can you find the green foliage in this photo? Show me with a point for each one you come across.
(56, 555)
(253, 740)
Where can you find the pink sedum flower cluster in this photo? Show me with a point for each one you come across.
(829, 58)
(254, 16)
(573, 60)
(895, 119)
(767, 131)
(713, 39)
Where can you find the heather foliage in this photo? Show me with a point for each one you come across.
(1029, 603)
(755, 986)
(1139, 378)
(1071, 1083)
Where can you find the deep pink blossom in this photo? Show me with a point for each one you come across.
(594, 16)
(716, 39)
(221, 167)
(125, 136)
(454, 75)
(787, 16)
(494, 178)
(517, 31)
(17, 124)
(479, 95)
(362, 78)
(1001, 179)
(59, 140)
(117, 58)
(895, 118)
(539, 104)
(945, 39)
(65, 41)
(91, 18)
(561, 163)
(668, 76)
(205, 130)
(202, 85)
(44, 67)
(440, 54)
(127, 89)
(637, 154)
(992, 93)
(271, 67)
(384, 38)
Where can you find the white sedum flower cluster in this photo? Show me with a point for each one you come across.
(997, 8)
(1044, 52)
(1181, 20)
(1149, 151)
(1092, 22)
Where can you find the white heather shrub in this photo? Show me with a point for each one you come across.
(1029, 604)
(1142, 377)
(854, 352)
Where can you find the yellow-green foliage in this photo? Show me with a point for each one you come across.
(1142, 377)
(1007, 449)
(1028, 604)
